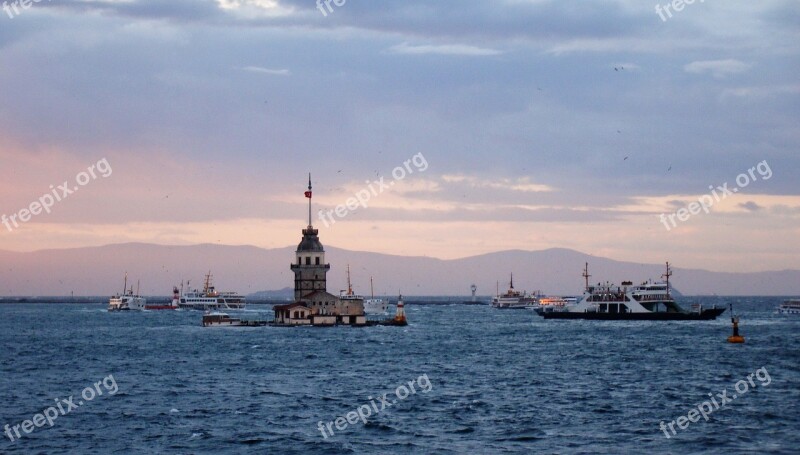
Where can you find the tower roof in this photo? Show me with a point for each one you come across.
(310, 241)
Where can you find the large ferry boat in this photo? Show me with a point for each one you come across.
(513, 299)
(127, 300)
(208, 298)
(647, 301)
(791, 306)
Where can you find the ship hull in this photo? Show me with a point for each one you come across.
(160, 307)
(705, 315)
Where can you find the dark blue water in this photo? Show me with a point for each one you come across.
(499, 382)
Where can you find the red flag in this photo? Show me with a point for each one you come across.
(308, 194)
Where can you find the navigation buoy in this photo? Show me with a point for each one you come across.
(400, 314)
(735, 338)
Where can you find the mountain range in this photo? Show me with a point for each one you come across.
(248, 270)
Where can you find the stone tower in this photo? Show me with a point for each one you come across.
(310, 269)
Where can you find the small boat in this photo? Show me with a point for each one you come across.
(791, 306)
(127, 300)
(513, 299)
(218, 319)
(646, 302)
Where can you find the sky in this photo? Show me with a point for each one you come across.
(466, 127)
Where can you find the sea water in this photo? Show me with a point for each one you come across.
(483, 380)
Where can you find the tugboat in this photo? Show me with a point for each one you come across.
(513, 299)
(127, 301)
(646, 302)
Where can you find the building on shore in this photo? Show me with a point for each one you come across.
(313, 304)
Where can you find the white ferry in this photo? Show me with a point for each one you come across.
(791, 306)
(513, 299)
(373, 305)
(209, 298)
(647, 301)
(127, 301)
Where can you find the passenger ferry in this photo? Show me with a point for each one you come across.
(127, 301)
(513, 299)
(791, 306)
(208, 298)
(647, 301)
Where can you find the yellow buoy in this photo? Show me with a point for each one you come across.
(735, 338)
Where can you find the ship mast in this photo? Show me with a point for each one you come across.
(371, 289)
(349, 287)
(586, 275)
(125, 285)
(666, 275)
(208, 282)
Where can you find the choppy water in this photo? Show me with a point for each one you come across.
(500, 382)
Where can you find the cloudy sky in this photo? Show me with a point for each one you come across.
(534, 123)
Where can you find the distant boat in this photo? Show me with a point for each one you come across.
(513, 299)
(648, 301)
(209, 298)
(217, 319)
(791, 306)
(127, 300)
(373, 305)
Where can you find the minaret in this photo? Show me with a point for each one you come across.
(310, 269)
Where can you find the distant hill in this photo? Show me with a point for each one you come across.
(251, 270)
(280, 294)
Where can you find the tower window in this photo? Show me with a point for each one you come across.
(317, 260)
(308, 260)
(299, 261)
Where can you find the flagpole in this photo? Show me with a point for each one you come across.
(309, 200)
